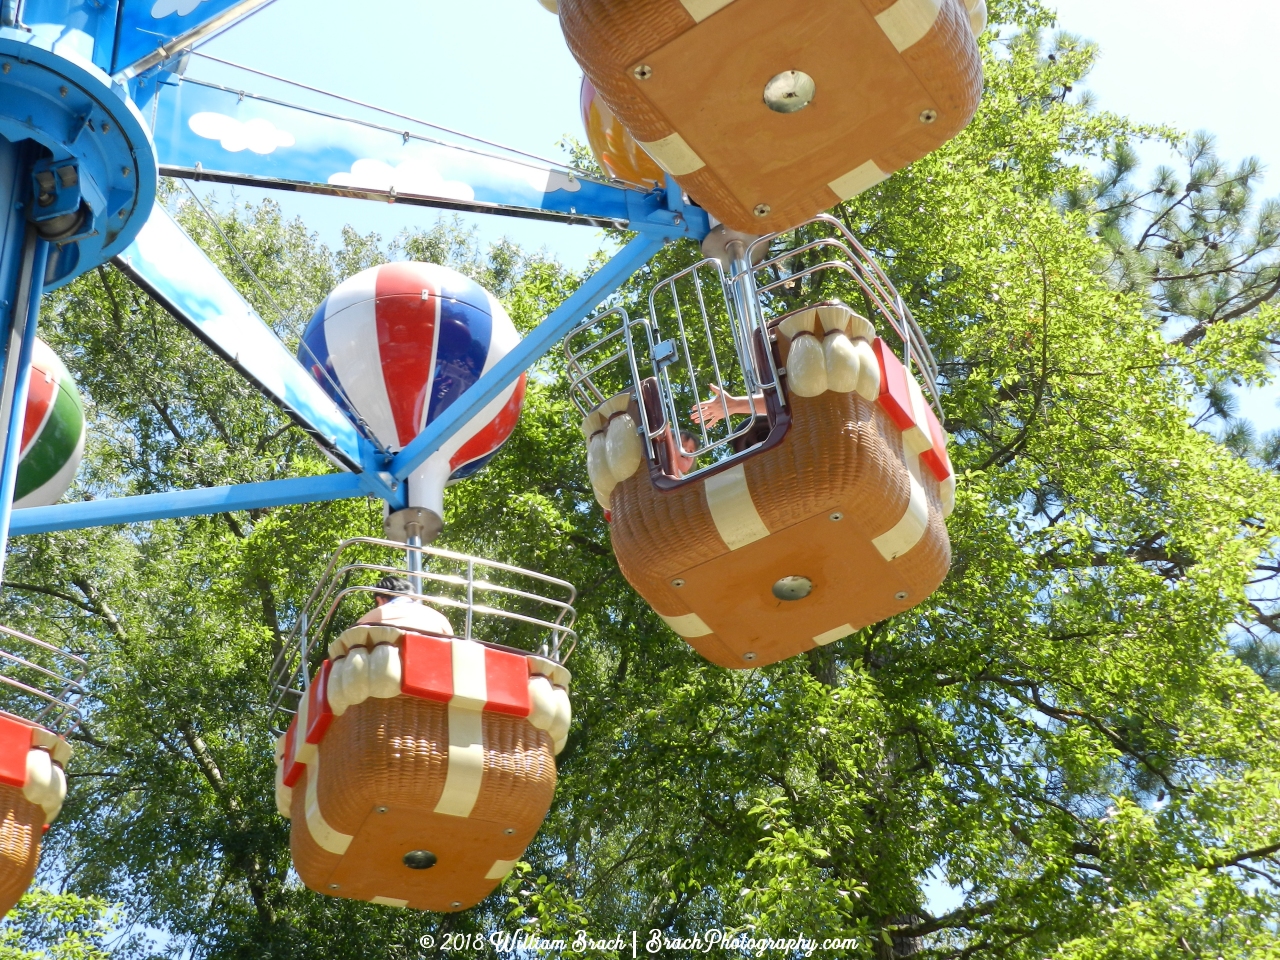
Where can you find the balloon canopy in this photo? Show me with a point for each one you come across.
(396, 345)
(52, 432)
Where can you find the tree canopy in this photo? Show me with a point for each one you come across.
(1078, 733)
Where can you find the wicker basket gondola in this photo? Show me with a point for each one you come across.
(849, 492)
(32, 788)
(425, 799)
(894, 80)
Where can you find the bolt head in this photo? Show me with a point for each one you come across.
(793, 588)
(762, 210)
(837, 516)
(749, 656)
(678, 582)
(900, 595)
(789, 91)
(419, 859)
(928, 116)
(642, 72)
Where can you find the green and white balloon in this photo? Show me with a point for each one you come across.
(52, 433)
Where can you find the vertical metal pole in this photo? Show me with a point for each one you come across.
(743, 282)
(17, 374)
(413, 555)
(471, 595)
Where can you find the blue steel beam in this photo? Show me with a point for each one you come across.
(166, 263)
(532, 348)
(205, 131)
(188, 503)
(276, 493)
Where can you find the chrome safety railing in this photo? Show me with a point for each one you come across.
(709, 334)
(40, 682)
(495, 602)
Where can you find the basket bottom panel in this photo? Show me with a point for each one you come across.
(853, 586)
(472, 857)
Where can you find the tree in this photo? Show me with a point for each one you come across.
(1062, 732)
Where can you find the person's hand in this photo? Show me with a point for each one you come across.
(710, 412)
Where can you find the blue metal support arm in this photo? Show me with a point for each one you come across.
(187, 503)
(532, 348)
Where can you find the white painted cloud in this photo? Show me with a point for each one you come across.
(163, 8)
(259, 135)
(410, 176)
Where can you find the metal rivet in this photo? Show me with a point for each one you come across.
(419, 859)
(642, 72)
(928, 116)
(106, 127)
(678, 582)
(793, 588)
(8, 67)
(509, 831)
(381, 809)
(837, 516)
(748, 657)
(789, 91)
(900, 595)
(762, 210)
(456, 904)
(333, 886)
(126, 171)
(62, 91)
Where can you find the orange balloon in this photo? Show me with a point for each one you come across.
(613, 146)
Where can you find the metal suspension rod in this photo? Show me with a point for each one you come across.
(17, 373)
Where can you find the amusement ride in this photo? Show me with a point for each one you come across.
(765, 438)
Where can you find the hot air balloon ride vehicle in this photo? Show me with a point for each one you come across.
(808, 507)
(40, 686)
(416, 751)
(419, 760)
(768, 112)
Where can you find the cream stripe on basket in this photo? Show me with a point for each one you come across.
(324, 835)
(857, 180)
(688, 626)
(907, 21)
(736, 518)
(466, 762)
(908, 531)
(500, 869)
(701, 9)
(673, 155)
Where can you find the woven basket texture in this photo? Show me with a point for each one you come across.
(395, 752)
(21, 829)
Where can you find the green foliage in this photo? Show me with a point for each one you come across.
(59, 926)
(1063, 732)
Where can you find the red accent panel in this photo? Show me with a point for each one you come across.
(39, 396)
(427, 667)
(15, 743)
(936, 460)
(406, 342)
(289, 763)
(319, 716)
(506, 678)
(493, 434)
(894, 397)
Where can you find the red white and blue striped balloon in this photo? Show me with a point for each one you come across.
(396, 344)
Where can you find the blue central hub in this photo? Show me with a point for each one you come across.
(93, 182)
